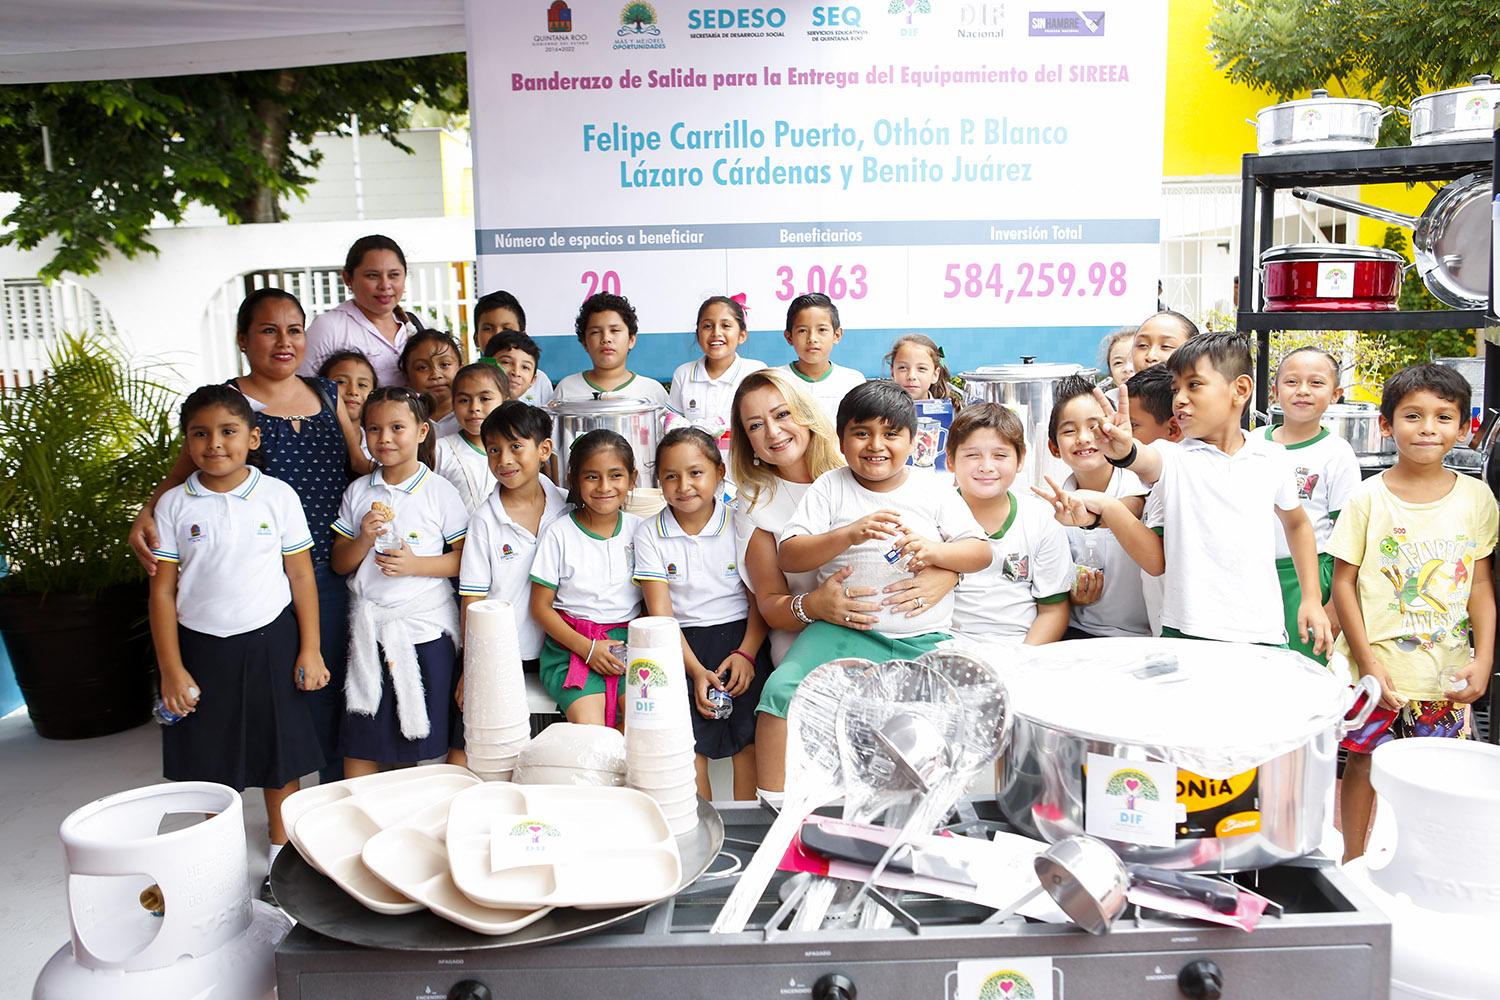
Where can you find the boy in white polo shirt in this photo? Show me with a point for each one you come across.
(1219, 488)
(503, 531)
(813, 328)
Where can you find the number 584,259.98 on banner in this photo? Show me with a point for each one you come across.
(1038, 280)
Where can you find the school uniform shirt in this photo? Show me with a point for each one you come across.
(1416, 567)
(770, 512)
(539, 392)
(1220, 538)
(1153, 588)
(1327, 474)
(430, 515)
(701, 571)
(829, 390)
(927, 508)
(1121, 608)
(467, 467)
(577, 386)
(346, 328)
(594, 575)
(445, 426)
(498, 555)
(707, 401)
(230, 549)
(1031, 566)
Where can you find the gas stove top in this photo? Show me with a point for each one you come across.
(1329, 943)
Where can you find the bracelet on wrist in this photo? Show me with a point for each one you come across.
(798, 611)
(1127, 461)
(740, 652)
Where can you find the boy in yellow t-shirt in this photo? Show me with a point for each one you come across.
(1412, 584)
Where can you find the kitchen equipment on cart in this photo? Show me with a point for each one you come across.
(1451, 240)
(161, 914)
(1027, 389)
(1357, 423)
(1318, 124)
(1171, 751)
(1431, 864)
(1459, 114)
(638, 421)
(1330, 277)
(1330, 942)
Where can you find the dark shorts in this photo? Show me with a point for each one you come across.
(712, 644)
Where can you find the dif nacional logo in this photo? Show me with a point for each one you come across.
(640, 28)
(1007, 984)
(559, 36)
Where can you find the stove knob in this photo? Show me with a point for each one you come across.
(1201, 980)
(834, 986)
(470, 989)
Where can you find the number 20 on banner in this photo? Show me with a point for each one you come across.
(595, 282)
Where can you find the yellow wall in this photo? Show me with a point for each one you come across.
(1206, 132)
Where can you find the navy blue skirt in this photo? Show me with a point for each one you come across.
(378, 737)
(251, 728)
(720, 738)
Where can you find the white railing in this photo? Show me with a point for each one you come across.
(440, 293)
(32, 317)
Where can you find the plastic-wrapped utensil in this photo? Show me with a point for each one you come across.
(813, 772)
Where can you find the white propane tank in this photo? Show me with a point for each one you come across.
(1433, 865)
(162, 915)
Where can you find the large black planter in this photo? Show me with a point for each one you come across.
(83, 662)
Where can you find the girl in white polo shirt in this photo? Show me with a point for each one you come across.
(429, 362)
(686, 565)
(461, 459)
(400, 531)
(234, 614)
(703, 389)
(583, 591)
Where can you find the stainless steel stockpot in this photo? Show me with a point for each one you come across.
(1251, 732)
(1357, 423)
(1456, 115)
(638, 421)
(1318, 124)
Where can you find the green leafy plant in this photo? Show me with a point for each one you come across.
(79, 452)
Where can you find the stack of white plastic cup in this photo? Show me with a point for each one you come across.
(497, 723)
(658, 721)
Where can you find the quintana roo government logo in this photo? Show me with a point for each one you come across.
(1007, 984)
(1133, 786)
(647, 674)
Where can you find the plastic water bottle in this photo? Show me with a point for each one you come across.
(164, 715)
(722, 703)
(388, 540)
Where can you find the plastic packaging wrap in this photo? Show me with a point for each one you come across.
(566, 753)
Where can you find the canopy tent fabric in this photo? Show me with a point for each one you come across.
(43, 41)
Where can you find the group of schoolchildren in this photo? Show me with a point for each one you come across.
(1173, 521)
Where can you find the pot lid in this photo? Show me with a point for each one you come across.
(1214, 708)
(1029, 372)
(1479, 82)
(1320, 98)
(603, 406)
(1322, 252)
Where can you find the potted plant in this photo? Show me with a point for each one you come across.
(79, 452)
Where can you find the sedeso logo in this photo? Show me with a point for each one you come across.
(735, 19)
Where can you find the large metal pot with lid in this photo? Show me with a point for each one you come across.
(1456, 115)
(1330, 277)
(1180, 753)
(1026, 388)
(1318, 124)
(638, 421)
(1357, 423)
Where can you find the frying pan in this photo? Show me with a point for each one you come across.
(1451, 240)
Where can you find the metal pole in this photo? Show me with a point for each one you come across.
(47, 148)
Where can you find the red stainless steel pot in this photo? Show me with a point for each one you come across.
(1330, 277)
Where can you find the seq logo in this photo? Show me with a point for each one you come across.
(837, 23)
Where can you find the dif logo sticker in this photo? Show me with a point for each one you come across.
(559, 36)
(650, 698)
(1065, 24)
(1130, 801)
(736, 22)
(640, 28)
(1005, 979)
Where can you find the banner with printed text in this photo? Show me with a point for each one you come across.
(931, 165)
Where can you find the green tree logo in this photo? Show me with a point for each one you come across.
(648, 674)
(640, 19)
(909, 7)
(1007, 984)
(1132, 784)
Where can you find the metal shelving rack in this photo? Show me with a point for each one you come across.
(1262, 176)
